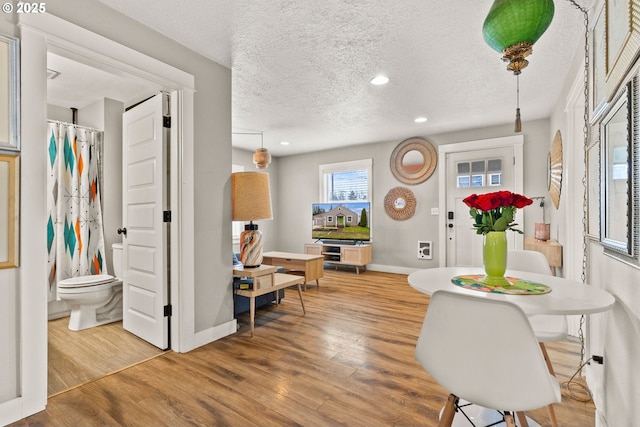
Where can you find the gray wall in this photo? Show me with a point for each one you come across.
(395, 242)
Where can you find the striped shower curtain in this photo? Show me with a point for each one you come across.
(75, 237)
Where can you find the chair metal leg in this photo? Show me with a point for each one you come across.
(449, 411)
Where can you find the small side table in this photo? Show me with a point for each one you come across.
(310, 265)
(551, 249)
(265, 280)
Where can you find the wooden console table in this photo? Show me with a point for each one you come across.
(310, 265)
(551, 249)
(265, 280)
(355, 255)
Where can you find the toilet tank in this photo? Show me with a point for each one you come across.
(116, 250)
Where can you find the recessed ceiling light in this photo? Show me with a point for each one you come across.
(284, 142)
(420, 119)
(379, 80)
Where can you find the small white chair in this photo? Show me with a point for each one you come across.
(548, 328)
(484, 351)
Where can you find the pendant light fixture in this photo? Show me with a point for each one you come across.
(262, 157)
(518, 126)
(511, 28)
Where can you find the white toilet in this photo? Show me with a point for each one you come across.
(95, 300)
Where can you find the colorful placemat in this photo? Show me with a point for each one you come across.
(514, 286)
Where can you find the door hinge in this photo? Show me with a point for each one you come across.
(167, 310)
(166, 122)
(166, 216)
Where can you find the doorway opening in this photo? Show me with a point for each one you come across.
(84, 95)
(485, 156)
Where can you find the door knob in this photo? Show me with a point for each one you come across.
(122, 231)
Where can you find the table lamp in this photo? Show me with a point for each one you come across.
(251, 201)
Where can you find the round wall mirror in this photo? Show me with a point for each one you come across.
(413, 160)
(400, 203)
(554, 180)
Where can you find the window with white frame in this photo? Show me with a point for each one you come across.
(346, 181)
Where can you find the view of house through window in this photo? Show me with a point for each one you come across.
(479, 173)
(346, 181)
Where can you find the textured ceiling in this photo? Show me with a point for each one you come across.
(301, 68)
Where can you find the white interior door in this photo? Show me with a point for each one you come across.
(468, 172)
(145, 281)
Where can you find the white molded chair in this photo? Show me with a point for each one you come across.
(484, 351)
(548, 328)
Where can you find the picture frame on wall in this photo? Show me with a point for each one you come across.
(598, 68)
(9, 94)
(9, 191)
(593, 192)
(622, 41)
(619, 173)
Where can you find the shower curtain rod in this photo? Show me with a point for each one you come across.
(73, 124)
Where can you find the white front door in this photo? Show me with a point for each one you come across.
(145, 281)
(468, 172)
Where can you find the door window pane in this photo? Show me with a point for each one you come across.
(464, 181)
(477, 180)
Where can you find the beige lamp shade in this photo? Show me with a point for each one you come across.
(251, 197)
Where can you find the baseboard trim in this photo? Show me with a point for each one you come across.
(391, 269)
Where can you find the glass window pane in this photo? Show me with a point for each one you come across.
(477, 181)
(347, 185)
(495, 179)
(494, 165)
(477, 166)
(464, 181)
(463, 168)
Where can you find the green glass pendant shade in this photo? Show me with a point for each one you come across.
(514, 21)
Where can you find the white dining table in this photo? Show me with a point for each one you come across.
(566, 297)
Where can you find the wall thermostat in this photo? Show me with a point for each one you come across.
(425, 249)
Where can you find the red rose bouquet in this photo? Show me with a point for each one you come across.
(495, 211)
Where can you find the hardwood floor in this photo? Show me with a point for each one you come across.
(77, 357)
(349, 361)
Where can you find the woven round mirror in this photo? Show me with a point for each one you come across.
(400, 203)
(413, 160)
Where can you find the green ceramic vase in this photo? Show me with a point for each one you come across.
(495, 258)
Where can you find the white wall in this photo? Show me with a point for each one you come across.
(395, 242)
(616, 334)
